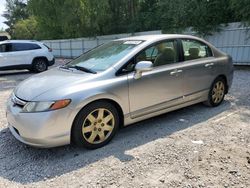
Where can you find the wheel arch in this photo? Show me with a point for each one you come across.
(225, 79)
(111, 101)
(40, 57)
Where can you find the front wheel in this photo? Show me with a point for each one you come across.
(217, 92)
(95, 125)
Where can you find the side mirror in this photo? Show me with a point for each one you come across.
(142, 66)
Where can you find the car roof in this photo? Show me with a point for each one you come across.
(150, 38)
(19, 41)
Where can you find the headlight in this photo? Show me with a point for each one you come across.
(45, 106)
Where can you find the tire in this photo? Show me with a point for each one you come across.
(216, 93)
(91, 131)
(39, 65)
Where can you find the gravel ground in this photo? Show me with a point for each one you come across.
(193, 147)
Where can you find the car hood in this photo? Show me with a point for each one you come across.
(43, 82)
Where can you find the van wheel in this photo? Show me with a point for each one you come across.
(95, 125)
(39, 65)
(217, 92)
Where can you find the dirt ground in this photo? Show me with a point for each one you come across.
(196, 146)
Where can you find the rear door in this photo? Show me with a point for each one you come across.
(198, 68)
(23, 53)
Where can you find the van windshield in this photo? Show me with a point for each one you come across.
(103, 57)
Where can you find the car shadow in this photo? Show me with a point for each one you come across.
(24, 164)
(9, 80)
(12, 73)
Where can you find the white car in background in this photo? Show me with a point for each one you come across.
(22, 54)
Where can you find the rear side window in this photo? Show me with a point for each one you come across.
(5, 47)
(24, 46)
(194, 49)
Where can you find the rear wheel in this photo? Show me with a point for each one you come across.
(217, 92)
(39, 65)
(95, 125)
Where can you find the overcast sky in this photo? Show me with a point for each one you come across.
(2, 8)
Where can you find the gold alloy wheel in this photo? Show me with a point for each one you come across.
(98, 126)
(218, 92)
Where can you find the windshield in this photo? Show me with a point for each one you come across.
(103, 57)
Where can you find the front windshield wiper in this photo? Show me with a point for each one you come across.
(84, 69)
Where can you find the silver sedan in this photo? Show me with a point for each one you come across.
(119, 83)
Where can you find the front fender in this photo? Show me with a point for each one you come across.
(99, 96)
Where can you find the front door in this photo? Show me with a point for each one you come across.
(161, 87)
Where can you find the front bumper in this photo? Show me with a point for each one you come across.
(44, 130)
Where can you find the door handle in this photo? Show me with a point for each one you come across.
(209, 64)
(175, 72)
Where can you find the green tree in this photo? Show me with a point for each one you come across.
(206, 16)
(121, 15)
(148, 16)
(48, 16)
(87, 18)
(25, 29)
(79, 18)
(241, 10)
(173, 15)
(98, 17)
(66, 18)
(16, 10)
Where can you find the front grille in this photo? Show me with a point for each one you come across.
(18, 102)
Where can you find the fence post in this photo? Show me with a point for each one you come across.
(60, 48)
(71, 50)
(97, 41)
(83, 49)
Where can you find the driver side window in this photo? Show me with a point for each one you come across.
(160, 54)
